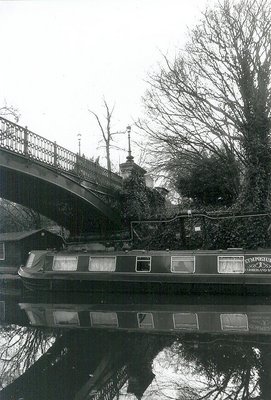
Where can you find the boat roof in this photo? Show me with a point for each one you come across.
(142, 253)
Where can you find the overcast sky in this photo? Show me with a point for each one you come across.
(59, 58)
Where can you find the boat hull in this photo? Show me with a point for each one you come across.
(104, 286)
(235, 272)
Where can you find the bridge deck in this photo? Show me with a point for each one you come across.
(71, 190)
(22, 141)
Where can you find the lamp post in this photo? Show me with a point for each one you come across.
(79, 143)
(130, 157)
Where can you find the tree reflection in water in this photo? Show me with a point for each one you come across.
(187, 367)
(20, 347)
(220, 369)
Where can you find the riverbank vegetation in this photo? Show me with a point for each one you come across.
(208, 116)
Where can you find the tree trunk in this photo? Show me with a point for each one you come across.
(255, 190)
(108, 156)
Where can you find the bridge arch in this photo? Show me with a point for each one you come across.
(72, 191)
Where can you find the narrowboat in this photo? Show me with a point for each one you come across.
(202, 271)
(246, 318)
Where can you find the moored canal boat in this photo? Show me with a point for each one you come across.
(232, 271)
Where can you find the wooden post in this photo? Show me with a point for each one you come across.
(182, 232)
(204, 233)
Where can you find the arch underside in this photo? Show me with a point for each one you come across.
(53, 195)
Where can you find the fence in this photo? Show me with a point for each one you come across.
(204, 231)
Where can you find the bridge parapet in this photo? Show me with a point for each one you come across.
(20, 140)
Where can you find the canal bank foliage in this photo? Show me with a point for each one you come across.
(207, 220)
(203, 231)
(212, 102)
(209, 181)
(139, 202)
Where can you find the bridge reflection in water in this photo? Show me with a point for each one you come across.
(54, 181)
(110, 347)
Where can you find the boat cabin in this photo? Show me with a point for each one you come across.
(15, 246)
(187, 268)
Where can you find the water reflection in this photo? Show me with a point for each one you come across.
(127, 347)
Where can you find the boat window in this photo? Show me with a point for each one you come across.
(143, 264)
(103, 264)
(31, 317)
(30, 260)
(185, 321)
(64, 317)
(234, 322)
(145, 320)
(36, 317)
(65, 263)
(2, 251)
(231, 264)
(109, 319)
(183, 264)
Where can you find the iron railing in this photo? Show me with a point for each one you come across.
(20, 140)
(112, 386)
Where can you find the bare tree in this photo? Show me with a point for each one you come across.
(106, 130)
(10, 112)
(14, 217)
(214, 98)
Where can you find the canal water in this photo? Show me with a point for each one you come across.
(124, 346)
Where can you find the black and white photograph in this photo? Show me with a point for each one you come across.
(135, 200)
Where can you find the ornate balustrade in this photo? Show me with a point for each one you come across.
(111, 388)
(20, 140)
